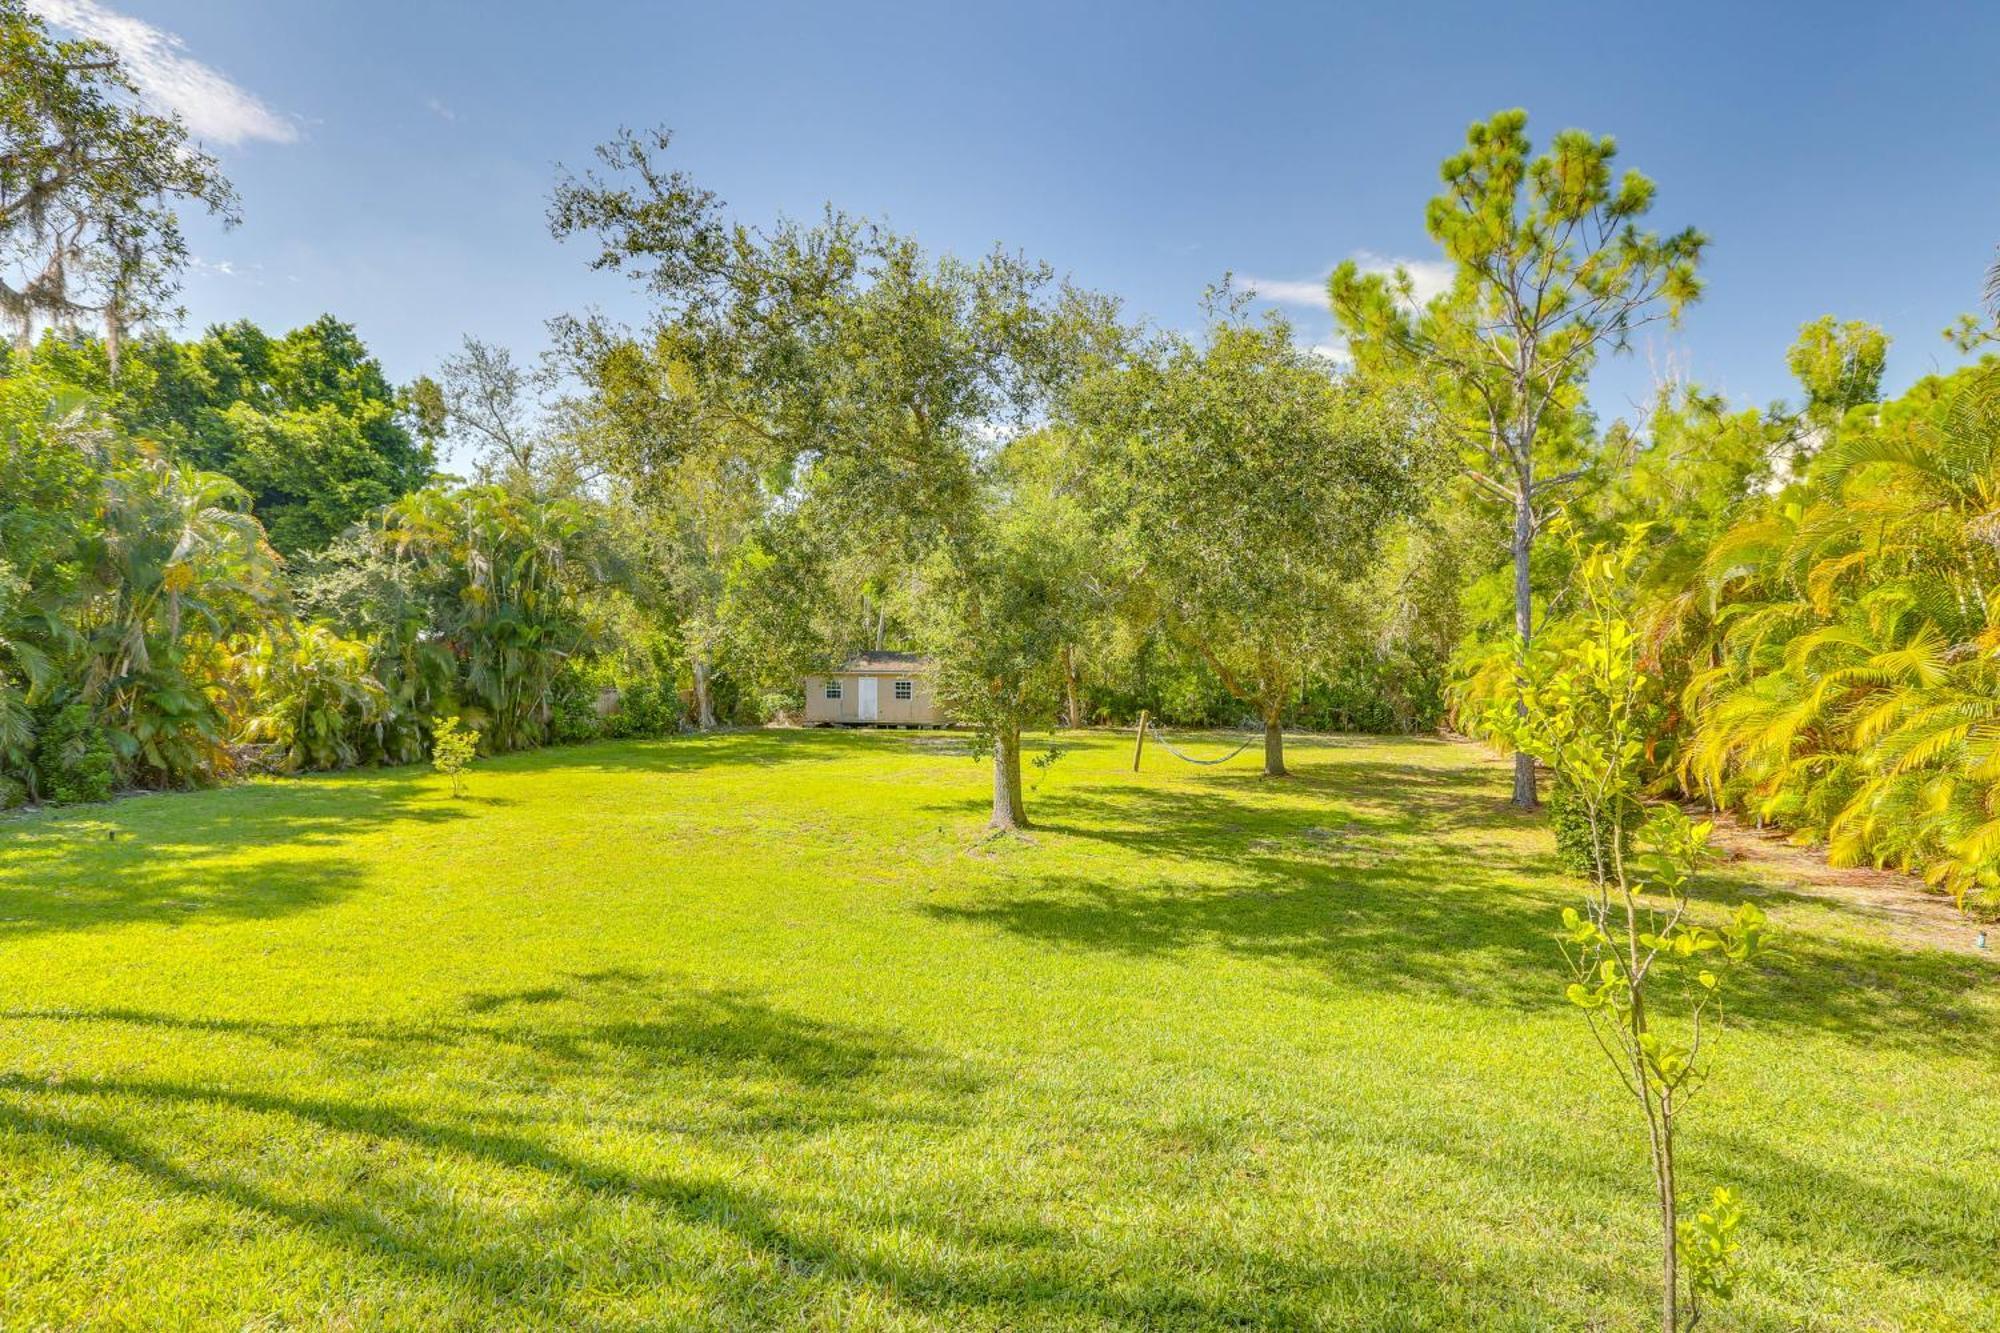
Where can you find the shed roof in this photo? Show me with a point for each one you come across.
(879, 661)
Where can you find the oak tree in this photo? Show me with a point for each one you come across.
(1252, 483)
(89, 184)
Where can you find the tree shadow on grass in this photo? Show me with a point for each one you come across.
(511, 1206)
(1926, 1222)
(172, 857)
(692, 752)
(179, 857)
(1862, 984)
(432, 1238)
(542, 1210)
(1396, 796)
(744, 1069)
(1401, 890)
(767, 1069)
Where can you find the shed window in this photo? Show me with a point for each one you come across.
(833, 689)
(905, 690)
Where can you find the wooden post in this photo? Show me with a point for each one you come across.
(1140, 748)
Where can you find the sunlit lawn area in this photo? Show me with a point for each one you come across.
(755, 1030)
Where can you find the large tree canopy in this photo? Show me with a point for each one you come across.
(88, 185)
(876, 378)
(306, 423)
(1252, 484)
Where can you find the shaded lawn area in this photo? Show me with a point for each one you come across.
(755, 1030)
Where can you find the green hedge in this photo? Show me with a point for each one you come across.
(1580, 852)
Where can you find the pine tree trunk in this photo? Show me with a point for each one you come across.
(1008, 810)
(704, 707)
(1274, 748)
(1524, 624)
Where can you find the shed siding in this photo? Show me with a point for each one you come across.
(920, 709)
(819, 708)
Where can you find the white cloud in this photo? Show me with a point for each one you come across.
(1289, 291)
(440, 110)
(214, 108)
(230, 270)
(1428, 278)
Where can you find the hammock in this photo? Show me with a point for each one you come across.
(1169, 747)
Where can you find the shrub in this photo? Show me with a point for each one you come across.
(1576, 849)
(314, 702)
(644, 709)
(13, 792)
(452, 750)
(777, 706)
(73, 761)
(573, 717)
(573, 712)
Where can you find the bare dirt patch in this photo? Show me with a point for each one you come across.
(1899, 903)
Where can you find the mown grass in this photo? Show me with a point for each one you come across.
(756, 1031)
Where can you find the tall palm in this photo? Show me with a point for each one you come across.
(499, 573)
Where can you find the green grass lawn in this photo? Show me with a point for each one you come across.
(755, 1030)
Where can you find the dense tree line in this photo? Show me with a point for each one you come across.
(238, 549)
(1816, 584)
(151, 634)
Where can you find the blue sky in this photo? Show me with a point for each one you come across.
(394, 159)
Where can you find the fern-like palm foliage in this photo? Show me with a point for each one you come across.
(1851, 630)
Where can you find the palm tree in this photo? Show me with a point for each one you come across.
(1854, 692)
(179, 568)
(499, 575)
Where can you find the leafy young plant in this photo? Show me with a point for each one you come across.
(1647, 975)
(452, 750)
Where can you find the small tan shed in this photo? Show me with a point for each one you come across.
(875, 690)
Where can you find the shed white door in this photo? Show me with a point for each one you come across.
(864, 699)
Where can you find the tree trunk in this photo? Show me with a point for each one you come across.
(114, 338)
(1072, 705)
(1274, 747)
(1670, 1299)
(704, 707)
(1009, 812)
(1524, 624)
(1014, 784)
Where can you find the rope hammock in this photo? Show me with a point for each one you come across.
(1146, 724)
